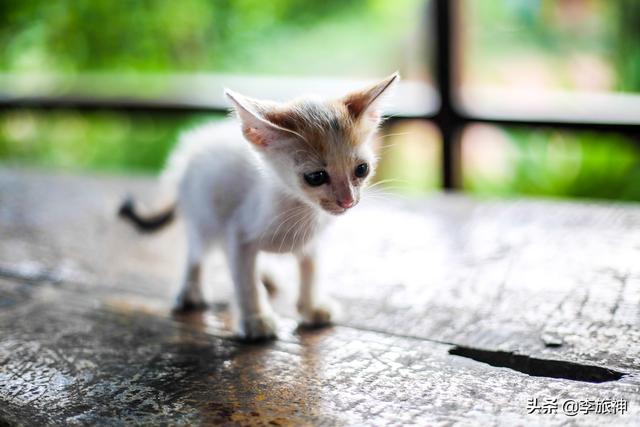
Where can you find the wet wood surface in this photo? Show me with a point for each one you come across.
(455, 310)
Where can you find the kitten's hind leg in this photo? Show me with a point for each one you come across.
(269, 284)
(315, 310)
(190, 297)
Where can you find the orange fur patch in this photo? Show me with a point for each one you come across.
(254, 136)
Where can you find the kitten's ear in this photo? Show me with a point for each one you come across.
(364, 103)
(255, 127)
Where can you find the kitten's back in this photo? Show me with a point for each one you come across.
(212, 169)
(200, 144)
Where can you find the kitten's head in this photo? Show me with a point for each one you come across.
(320, 150)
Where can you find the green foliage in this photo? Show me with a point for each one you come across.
(100, 140)
(564, 164)
(355, 37)
(627, 54)
(363, 38)
(551, 33)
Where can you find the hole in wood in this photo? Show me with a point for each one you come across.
(539, 367)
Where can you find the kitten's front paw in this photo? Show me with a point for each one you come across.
(260, 327)
(320, 314)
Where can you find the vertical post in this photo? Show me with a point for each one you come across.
(447, 119)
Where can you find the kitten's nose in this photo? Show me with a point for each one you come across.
(346, 202)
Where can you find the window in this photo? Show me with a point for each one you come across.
(498, 97)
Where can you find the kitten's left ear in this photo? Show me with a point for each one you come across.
(364, 103)
(256, 128)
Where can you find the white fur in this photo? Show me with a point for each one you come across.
(228, 196)
(250, 197)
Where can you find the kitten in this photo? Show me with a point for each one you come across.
(304, 161)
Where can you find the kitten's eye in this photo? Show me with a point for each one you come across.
(362, 170)
(316, 179)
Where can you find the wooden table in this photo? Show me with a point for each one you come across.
(455, 310)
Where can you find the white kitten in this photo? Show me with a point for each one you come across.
(305, 160)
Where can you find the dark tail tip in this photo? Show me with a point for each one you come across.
(126, 208)
(145, 224)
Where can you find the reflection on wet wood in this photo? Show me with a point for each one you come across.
(86, 336)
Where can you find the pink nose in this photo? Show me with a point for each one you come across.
(346, 203)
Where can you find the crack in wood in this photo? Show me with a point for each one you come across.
(622, 279)
(536, 367)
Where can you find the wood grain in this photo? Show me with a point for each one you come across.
(86, 336)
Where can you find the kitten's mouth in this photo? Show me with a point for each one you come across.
(338, 211)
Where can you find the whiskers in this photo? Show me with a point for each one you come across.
(304, 217)
(306, 225)
(299, 220)
(382, 191)
(284, 217)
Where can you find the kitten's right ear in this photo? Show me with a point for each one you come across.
(258, 130)
(363, 103)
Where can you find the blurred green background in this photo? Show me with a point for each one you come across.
(571, 45)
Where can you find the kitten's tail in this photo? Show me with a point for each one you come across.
(146, 224)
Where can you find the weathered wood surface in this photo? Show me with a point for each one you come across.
(86, 336)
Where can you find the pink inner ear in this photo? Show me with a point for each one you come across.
(356, 104)
(359, 106)
(253, 135)
(359, 110)
(361, 102)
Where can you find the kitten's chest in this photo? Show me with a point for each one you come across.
(291, 229)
